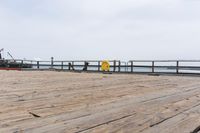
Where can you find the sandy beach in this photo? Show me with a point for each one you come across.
(64, 102)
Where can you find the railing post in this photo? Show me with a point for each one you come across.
(119, 67)
(62, 65)
(153, 64)
(86, 64)
(114, 65)
(38, 65)
(22, 62)
(73, 65)
(131, 66)
(177, 67)
(126, 66)
(51, 62)
(99, 65)
(69, 66)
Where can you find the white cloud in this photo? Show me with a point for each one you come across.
(94, 29)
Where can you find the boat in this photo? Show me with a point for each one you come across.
(7, 64)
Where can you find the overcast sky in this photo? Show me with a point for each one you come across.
(101, 29)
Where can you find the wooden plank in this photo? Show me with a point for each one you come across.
(75, 102)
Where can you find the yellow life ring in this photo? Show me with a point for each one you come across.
(105, 66)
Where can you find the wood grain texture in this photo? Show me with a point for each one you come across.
(63, 102)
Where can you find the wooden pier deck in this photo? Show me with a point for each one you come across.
(63, 102)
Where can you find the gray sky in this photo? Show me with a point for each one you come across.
(101, 29)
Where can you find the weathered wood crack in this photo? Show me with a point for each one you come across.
(35, 115)
(106, 123)
(157, 123)
(196, 130)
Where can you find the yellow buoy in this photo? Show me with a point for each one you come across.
(105, 66)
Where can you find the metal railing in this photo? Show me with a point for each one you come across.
(133, 66)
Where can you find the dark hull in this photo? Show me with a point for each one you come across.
(4, 64)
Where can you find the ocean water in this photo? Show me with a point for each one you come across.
(128, 69)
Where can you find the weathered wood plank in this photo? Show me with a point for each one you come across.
(72, 102)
